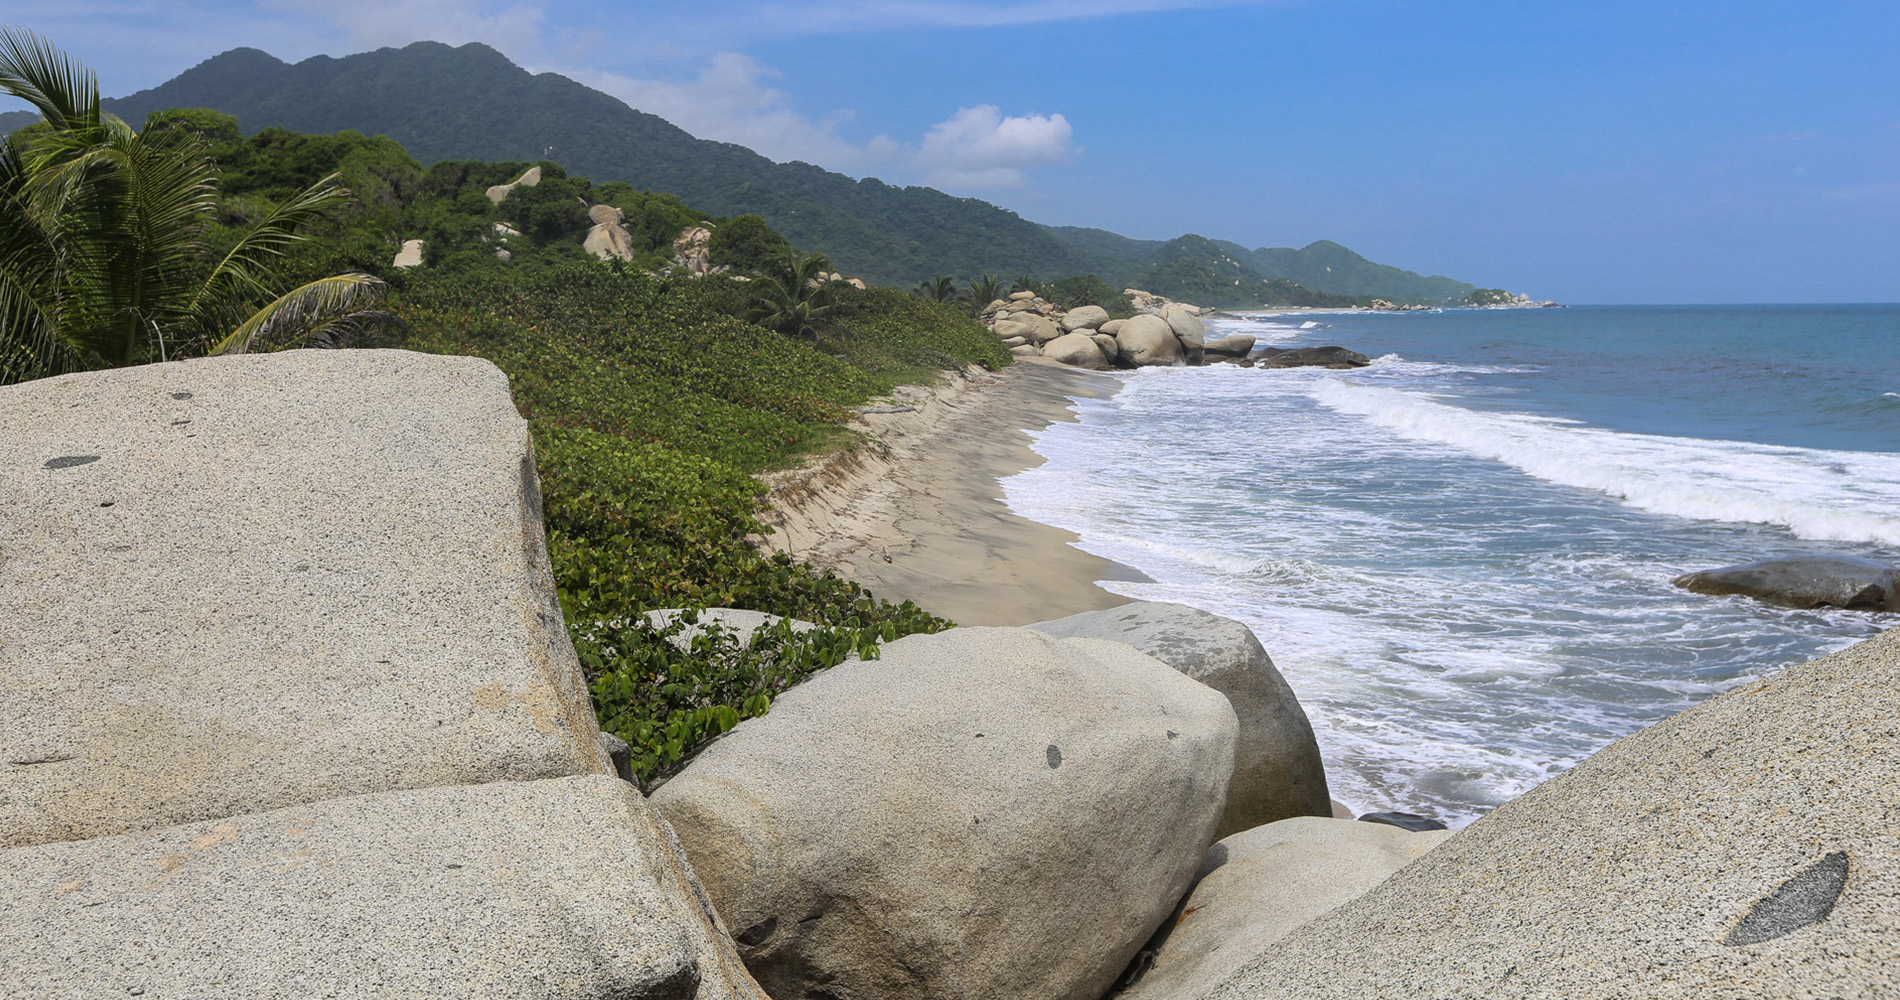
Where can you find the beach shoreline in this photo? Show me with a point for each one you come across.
(913, 509)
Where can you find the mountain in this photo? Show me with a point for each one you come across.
(471, 103)
(1326, 266)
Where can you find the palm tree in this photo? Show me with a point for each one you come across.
(792, 295)
(942, 288)
(981, 292)
(102, 258)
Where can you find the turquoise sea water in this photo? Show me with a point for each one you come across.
(1460, 556)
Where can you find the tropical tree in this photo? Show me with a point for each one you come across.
(103, 259)
(792, 294)
(981, 292)
(942, 288)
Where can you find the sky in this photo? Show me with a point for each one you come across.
(1583, 151)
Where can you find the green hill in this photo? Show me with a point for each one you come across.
(1327, 267)
(471, 103)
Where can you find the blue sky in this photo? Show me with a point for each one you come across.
(1583, 151)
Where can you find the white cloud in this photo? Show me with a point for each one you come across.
(980, 148)
(376, 23)
(729, 101)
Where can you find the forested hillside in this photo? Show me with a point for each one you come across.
(1327, 267)
(471, 103)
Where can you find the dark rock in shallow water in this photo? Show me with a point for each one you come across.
(1237, 345)
(1404, 821)
(1310, 357)
(1805, 582)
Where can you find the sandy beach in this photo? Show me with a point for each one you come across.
(914, 511)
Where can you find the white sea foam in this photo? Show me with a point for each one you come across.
(1821, 495)
(1457, 631)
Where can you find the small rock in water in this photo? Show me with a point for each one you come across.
(1330, 356)
(1805, 582)
(1404, 821)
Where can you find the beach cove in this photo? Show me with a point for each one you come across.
(1458, 628)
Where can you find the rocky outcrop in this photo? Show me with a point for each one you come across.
(1743, 848)
(984, 812)
(1186, 323)
(1084, 318)
(1277, 769)
(1310, 357)
(692, 250)
(367, 478)
(560, 888)
(1024, 318)
(609, 237)
(529, 178)
(1031, 327)
(1149, 340)
(409, 256)
(1232, 348)
(1255, 887)
(1805, 582)
(287, 705)
(1077, 349)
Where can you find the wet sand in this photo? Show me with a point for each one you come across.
(913, 510)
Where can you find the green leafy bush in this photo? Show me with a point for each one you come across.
(665, 695)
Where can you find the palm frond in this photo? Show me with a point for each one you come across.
(34, 70)
(30, 343)
(303, 313)
(246, 267)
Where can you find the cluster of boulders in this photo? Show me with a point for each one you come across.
(1160, 333)
(351, 754)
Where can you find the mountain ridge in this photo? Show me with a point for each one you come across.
(470, 102)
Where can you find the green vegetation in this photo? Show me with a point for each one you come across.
(664, 695)
(1489, 297)
(652, 399)
(1331, 269)
(651, 406)
(1202, 271)
(746, 243)
(110, 250)
(792, 295)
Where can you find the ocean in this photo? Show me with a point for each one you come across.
(1460, 556)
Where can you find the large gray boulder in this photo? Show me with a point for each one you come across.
(568, 888)
(1186, 323)
(1257, 886)
(985, 812)
(529, 178)
(1148, 341)
(1237, 345)
(1745, 848)
(1805, 582)
(1035, 328)
(1084, 318)
(237, 584)
(1078, 349)
(1277, 768)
